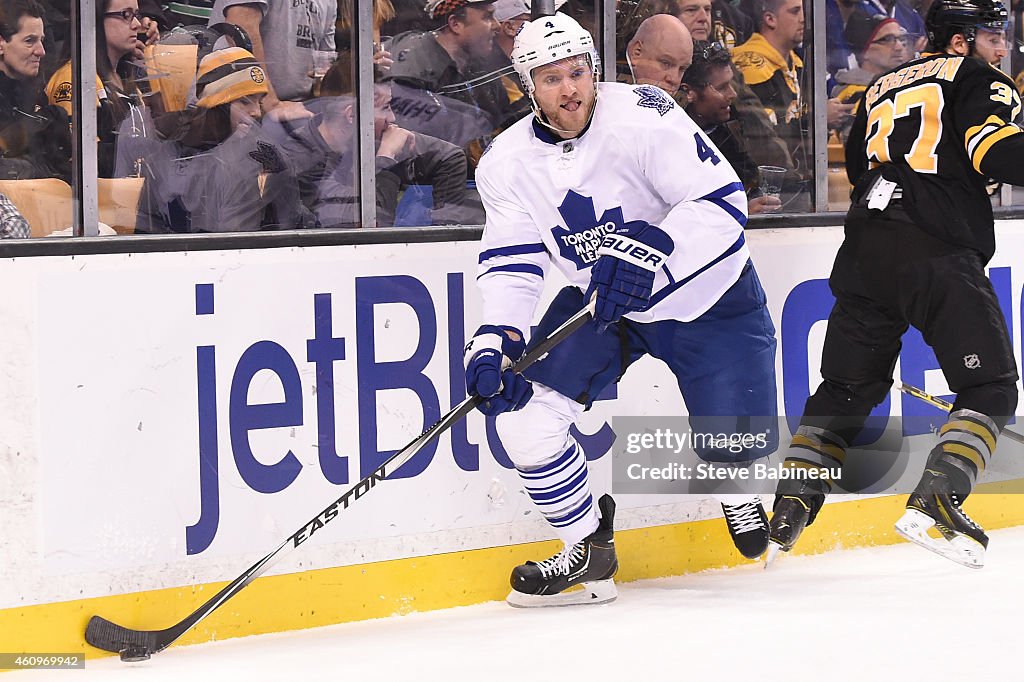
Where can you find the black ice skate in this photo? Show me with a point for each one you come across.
(789, 520)
(748, 526)
(591, 563)
(934, 503)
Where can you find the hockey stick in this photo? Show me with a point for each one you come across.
(946, 406)
(138, 645)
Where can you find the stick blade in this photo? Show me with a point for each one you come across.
(132, 645)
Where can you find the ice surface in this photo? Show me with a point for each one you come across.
(886, 613)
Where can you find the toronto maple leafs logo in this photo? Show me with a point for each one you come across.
(654, 98)
(582, 234)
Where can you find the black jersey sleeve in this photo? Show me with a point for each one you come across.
(856, 161)
(987, 104)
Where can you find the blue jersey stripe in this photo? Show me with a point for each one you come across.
(573, 515)
(517, 250)
(718, 199)
(561, 487)
(665, 291)
(737, 214)
(516, 267)
(563, 459)
(724, 191)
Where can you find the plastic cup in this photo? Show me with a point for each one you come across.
(770, 180)
(323, 60)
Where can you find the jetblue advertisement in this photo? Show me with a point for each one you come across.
(204, 406)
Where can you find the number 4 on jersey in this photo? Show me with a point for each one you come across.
(704, 151)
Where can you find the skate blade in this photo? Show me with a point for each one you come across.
(773, 552)
(596, 592)
(914, 525)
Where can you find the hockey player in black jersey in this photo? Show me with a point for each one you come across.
(917, 237)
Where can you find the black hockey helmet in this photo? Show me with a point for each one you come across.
(946, 18)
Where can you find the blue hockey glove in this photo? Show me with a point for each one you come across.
(488, 359)
(623, 276)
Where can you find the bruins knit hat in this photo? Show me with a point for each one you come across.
(862, 28)
(228, 75)
(438, 9)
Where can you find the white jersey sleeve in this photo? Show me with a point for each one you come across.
(513, 259)
(690, 174)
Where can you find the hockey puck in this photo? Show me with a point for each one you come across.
(135, 654)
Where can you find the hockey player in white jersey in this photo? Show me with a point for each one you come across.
(616, 187)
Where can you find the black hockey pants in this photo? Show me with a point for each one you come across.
(888, 274)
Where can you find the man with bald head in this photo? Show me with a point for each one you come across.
(660, 52)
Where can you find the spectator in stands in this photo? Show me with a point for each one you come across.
(629, 14)
(771, 66)
(880, 44)
(12, 224)
(708, 85)
(207, 175)
(510, 15)
(409, 16)
(58, 18)
(840, 54)
(284, 35)
(659, 53)
(324, 156)
(773, 70)
(442, 88)
(117, 94)
(34, 137)
(729, 25)
(768, 149)
(383, 12)
(705, 19)
(904, 12)
(696, 15)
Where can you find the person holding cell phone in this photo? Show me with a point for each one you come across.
(119, 32)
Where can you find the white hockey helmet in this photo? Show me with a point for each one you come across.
(549, 39)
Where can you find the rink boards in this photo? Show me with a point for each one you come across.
(168, 418)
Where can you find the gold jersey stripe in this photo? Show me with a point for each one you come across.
(991, 124)
(986, 144)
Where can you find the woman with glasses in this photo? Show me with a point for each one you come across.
(119, 44)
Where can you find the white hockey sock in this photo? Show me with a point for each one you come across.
(561, 491)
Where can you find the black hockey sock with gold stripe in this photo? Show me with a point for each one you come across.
(812, 450)
(966, 444)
